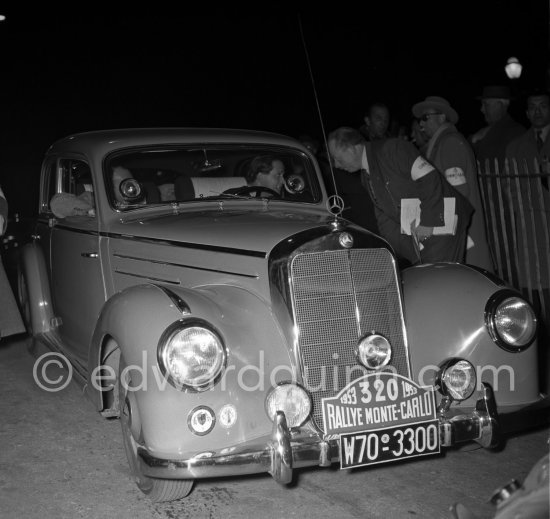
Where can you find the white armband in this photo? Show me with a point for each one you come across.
(420, 168)
(455, 176)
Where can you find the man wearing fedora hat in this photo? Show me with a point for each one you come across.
(490, 142)
(449, 151)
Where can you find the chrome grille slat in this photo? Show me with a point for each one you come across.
(338, 296)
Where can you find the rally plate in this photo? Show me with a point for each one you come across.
(382, 417)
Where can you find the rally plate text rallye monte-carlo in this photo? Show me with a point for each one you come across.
(242, 330)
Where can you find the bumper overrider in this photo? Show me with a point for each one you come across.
(285, 451)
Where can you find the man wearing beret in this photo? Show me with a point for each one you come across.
(394, 172)
(449, 151)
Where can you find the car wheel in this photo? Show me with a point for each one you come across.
(156, 489)
(24, 303)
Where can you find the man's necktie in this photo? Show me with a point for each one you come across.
(366, 175)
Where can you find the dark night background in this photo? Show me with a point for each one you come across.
(88, 68)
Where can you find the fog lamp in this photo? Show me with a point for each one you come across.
(373, 351)
(457, 379)
(292, 399)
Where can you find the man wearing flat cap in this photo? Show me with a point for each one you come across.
(449, 151)
(490, 142)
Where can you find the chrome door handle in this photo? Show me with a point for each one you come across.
(89, 255)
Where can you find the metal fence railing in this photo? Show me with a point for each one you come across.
(516, 201)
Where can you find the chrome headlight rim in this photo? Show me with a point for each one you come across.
(493, 304)
(294, 384)
(164, 342)
(369, 336)
(442, 385)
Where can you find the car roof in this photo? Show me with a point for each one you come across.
(104, 141)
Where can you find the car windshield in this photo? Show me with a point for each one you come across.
(173, 175)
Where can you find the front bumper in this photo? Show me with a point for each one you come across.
(284, 451)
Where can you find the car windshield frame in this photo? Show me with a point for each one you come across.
(142, 176)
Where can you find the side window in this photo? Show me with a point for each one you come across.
(71, 189)
(49, 185)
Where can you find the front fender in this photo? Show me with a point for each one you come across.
(257, 352)
(444, 308)
(33, 267)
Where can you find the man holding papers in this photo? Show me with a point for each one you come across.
(418, 212)
(449, 151)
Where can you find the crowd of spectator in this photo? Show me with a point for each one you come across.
(368, 164)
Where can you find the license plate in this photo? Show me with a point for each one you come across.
(389, 444)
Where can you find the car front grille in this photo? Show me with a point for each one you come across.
(337, 297)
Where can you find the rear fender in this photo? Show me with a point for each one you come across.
(33, 267)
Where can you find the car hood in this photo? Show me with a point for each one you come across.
(233, 229)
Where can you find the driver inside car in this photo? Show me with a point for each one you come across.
(266, 173)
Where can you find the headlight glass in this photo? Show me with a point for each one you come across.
(457, 379)
(293, 400)
(191, 355)
(511, 322)
(374, 351)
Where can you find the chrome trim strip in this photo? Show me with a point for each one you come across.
(73, 229)
(182, 265)
(173, 243)
(186, 245)
(132, 274)
(179, 303)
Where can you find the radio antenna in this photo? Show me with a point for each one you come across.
(317, 104)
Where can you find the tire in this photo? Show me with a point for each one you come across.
(158, 490)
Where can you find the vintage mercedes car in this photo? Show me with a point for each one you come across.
(237, 329)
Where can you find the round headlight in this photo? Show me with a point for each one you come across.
(293, 400)
(511, 321)
(457, 379)
(373, 351)
(191, 355)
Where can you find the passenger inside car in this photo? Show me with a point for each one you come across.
(77, 193)
(128, 191)
(67, 204)
(264, 176)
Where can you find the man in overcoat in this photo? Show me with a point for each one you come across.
(394, 172)
(449, 151)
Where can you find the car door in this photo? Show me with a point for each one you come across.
(75, 264)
